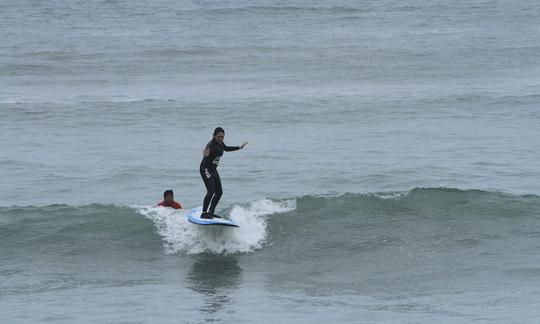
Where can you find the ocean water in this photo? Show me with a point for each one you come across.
(391, 176)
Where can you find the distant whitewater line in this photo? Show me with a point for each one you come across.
(284, 9)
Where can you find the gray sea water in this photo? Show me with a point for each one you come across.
(391, 176)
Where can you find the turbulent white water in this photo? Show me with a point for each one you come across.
(181, 236)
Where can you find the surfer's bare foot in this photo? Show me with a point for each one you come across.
(206, 216)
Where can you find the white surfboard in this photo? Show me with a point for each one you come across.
(194, 216)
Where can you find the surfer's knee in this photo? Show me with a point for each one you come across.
(219, 191)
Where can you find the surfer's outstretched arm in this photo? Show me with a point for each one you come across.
(233, 148)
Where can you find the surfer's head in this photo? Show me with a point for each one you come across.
(219, 134)
(168, 196)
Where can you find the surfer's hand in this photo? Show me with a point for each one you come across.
(242, 146)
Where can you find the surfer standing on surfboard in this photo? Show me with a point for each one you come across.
(212, 153)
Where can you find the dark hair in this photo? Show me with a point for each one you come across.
(218, 130)
(168, 192)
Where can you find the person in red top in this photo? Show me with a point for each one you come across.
(168, 200)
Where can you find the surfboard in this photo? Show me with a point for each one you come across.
(194, 216)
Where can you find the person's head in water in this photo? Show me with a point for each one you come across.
(168, 196)
(219, 134)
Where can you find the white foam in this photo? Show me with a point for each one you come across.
(10, 100)
(392, 195)
(180, 236)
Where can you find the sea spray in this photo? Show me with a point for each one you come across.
(180, 236)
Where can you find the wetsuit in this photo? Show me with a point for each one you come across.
(209, 174)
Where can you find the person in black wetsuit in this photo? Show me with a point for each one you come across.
(208, 169)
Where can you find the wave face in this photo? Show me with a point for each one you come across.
(75, 230)
(91, 229)
(421, 219)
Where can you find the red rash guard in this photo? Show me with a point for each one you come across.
(174, 204)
